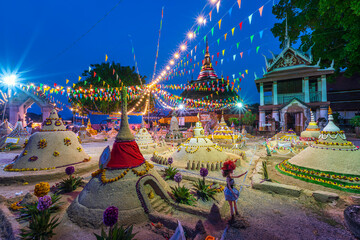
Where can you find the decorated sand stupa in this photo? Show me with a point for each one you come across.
(18, 133)
(84, 134)
(332, 161)
(89, 129)
(312, 131)
(121, 181)
(53, 147)
(144, 140)
(5, 128)
(199, 149)
(174, 134)
(112, 133)
(223, 133)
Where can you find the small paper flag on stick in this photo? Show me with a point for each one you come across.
(260, 10)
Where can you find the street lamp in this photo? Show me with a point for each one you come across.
(9, 80)
(239, 105)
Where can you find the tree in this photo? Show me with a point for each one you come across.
(248, 118)
(332, 25)
(106, 76)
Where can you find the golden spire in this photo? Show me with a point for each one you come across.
(329, 111)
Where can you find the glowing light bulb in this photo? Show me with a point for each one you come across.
(213, 1)
(176, 55)
(239, 104)
(172, 62)
(183, 47)
(168, 67)
(190, 35)
(200, 19)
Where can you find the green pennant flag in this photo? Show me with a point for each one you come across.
(205, 39)
(198, 29)
(85, 82)
(257, 49)
(237, 45)
(212, 32)
(204, 52)
(99, 79)
(251, 38)
(218, 41)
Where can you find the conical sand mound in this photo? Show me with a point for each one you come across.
(121, 182)
(17, 132)
(332, 161)
(312, 131)
(53, 147)
(5, 128)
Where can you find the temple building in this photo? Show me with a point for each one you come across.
(208, 86)
(290, 87)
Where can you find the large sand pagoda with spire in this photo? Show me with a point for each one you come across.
(222, 132)
(208, 85)
(332, 161)
(120, 181)
(52, 147)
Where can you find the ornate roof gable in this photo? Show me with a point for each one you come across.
(288, 57)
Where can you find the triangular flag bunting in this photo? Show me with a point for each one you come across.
(67, 81)
(241, 54)
(260, 10)
(79, 78)
(218, 6)
(225, 36)
(219, 22)
(257, 49)
(232, 31)
(106, 57)
(240, 25)
(230, 11)
(251, 38)
(261, 33)
(250, 18)
(223, 52)
(239, 2)
(234, 56)
(212, 32)
(218, 41)
(237, 45)
(210, 13)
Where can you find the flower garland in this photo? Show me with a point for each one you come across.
(326, 135)
(332, 132)
(320, 177)
(25, 152)
(191, 151)
(334, 149)
(334, 143)
(9, 168)
(122, 175)
(67, 141)
(16, 206)
(25, 143)
(56, 153)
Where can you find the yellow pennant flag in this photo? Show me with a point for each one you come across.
(225, 36)
(106, 57)
(246, 71)
(103, 83)
(232, 31)
(67, 81)
(79, 78)
(219, 23)
(73, 85)
(61, 88)
(223, 52)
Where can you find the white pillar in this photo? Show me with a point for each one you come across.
(275, 93)
(323, 89)
(261, 94)
(306, 89)
(275, 115)
(261, 120)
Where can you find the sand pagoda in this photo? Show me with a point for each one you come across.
(112, 133)
(199, 150)
(89, 129)
(84, 134)
(222, 133)
(144, 140)
(174, 134)
(121, 181)
(332, 161)
(53, 147)
(18, 132)
(5, 128)
(312, 131)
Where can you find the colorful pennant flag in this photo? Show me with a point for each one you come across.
(210, 13)
(232, 31)
(250, 18)
(261, 10)
(225, 36)
(106, 57)
(219, 22)
(251, 38)
(218, 6)
(240, 25)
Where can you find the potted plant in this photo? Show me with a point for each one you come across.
(355, 122)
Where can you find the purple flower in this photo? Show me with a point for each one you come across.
(178, 177)
(110, 216)
(44, 203)
(70, 170)
(170, 160)
(204, 172)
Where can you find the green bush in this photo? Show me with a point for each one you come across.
(170, 173)
(355, 121)
(203, 191)
(234, 120)
(70, 184)
(117, 233)
(183, 195)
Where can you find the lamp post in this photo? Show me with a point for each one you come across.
(10, 81)
(239, 105)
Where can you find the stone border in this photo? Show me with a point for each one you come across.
(258, 183)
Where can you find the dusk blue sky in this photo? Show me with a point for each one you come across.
(33, 33)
